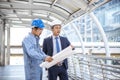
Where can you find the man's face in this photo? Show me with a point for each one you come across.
(38, 31)
(56, 30)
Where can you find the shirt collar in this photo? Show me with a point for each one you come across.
(34, 36)
(55, 36)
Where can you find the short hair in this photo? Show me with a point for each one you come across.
(35, 28)
(55, 25)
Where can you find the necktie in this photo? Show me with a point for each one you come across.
(58, 50)
(57, 45)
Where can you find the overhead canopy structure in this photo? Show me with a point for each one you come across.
(21, 12)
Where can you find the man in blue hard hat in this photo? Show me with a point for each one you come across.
(33, 55)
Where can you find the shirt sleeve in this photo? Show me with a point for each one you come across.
(30, 50)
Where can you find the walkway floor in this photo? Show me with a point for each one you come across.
(15, 72)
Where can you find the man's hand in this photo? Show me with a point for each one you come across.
(73, 48)
(48, 58)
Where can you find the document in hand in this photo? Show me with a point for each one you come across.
(58, 57)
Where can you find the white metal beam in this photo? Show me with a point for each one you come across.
(30, 3)
(24, 6)
(102, 33)
(28, 17)
(86, 8)
(54, 2)
(79, 37)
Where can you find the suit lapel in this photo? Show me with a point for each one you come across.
(51, 42)
(51, 45)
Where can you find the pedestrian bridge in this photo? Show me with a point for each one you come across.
(92, 27)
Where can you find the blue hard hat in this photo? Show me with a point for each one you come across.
(37, 23)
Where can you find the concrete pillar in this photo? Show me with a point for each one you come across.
(0, 39)
(8, 45)
(2, 42)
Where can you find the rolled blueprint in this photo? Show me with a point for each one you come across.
(58, 57)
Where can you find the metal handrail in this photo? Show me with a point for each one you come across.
(87, 67)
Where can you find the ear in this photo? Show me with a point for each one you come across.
(51, 29)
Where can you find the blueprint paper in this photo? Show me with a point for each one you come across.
(58, 57)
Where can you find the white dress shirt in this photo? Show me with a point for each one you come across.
(54, 44)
